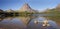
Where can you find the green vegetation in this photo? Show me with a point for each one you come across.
(56, 15)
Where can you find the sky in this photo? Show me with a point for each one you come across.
(39, 5)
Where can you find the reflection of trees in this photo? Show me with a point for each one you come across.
(1, 19)
(9, 18)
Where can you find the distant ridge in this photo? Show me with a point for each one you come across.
(10, 10)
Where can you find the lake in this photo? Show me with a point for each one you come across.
(26, 23)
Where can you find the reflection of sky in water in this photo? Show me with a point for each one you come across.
(39, 25)
(17, 23)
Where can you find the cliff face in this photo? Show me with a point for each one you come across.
(58, 7)
(55, 10)
(26, 8)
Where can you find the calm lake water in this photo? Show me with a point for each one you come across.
(26, 23)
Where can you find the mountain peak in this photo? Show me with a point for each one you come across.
(26, 8)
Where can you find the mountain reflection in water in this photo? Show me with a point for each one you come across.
(23, 23)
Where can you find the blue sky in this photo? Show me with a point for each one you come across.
(40, 5)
